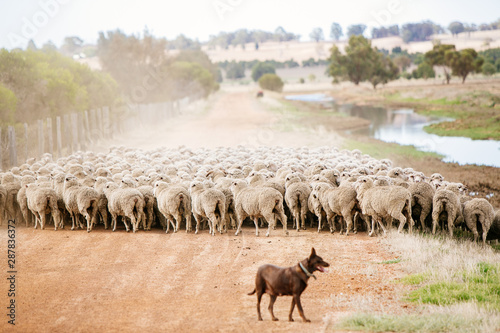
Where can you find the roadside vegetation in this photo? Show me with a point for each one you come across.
(455, 285)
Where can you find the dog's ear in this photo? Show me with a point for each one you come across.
(313, 253)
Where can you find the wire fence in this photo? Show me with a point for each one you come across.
(61, 136)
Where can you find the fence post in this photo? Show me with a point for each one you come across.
(25, 141)
(41, 138)
(12, 146)
(106, 123)
(50, 135)
(67, 130)
(81, 131)
(99, 124)
(86, 126)
(58, 136)
(74, 131)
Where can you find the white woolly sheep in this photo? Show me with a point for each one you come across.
(208, 203)
(478, 213)
(174, 202)
(125, 202)
(256, 202)
(379, 202)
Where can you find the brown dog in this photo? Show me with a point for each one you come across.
(289, 281)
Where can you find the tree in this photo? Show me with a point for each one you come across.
(382, 70)
(235, 70)
(488, 69)
(416, 32)
(271, 82)
(456, 27)
(424, 70)
(260, 69)
(361, 63)
(436, 57)
(356, 30)
(317, 34)
(8, 103)
(402, 61)
(71, 45)
(336, 31)
(463, 62)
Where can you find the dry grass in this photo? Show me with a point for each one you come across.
(433, 261)
(440, 257)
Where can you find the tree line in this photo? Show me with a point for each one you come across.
(362, 62)
(45, 83)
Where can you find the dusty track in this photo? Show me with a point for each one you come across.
(104, 281)
(71, 281)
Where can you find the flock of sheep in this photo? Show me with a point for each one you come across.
(222, 187)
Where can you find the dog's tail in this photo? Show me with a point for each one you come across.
(253, 292)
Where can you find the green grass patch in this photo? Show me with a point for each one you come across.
(384, 149)
(481, 286)
(409, 323)
(393, 261)
(414, 279)
(440, 101)
(473, 128)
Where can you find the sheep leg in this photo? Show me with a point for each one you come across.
(113, 221)
(126, 223)
(104, 216)
(348, 222)
(189, 226)
(331, 221)
(296, 218)
(435, 216)
(450, 224)
(320, 217)
(197, 219)
(43, 219)
(178, 219)
(380, 222)
(303, 214)
(402, 221)
(212, 222)
(373, 227)
(284, 222)
(426, 209)
(256, 222)
(271, 218)
(240, 216)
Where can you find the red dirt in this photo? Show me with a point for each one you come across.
(149, 281)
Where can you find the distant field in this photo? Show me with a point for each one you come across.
(480, 40)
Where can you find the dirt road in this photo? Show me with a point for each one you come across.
(71, 281)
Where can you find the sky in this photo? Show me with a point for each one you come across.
(52, 20)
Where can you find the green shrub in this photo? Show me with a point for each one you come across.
(260, 69)
(488, 68)
(271, 82)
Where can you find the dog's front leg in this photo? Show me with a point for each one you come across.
(290, 318)
(271, 306)
(299, 306)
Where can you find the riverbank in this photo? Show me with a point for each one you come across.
(475, 105)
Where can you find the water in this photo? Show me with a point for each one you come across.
(405, 127)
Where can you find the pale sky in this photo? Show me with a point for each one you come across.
(44, 20)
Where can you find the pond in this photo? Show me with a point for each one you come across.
(405, 127)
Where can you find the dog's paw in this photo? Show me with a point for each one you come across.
(307, 320)
(290, 319)
(275, 319)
